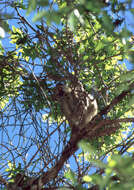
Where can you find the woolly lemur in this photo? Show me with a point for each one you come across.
(77, 105)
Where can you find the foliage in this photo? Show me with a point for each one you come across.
(9, 82)
(68, 41)
(118, 170)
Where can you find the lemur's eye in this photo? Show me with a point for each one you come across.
(61, 92)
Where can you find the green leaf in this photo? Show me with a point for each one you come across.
(86, 146)
(31, 6)
(14, 28)
(99, 46)
(129, 76)
(131, 101)
(43, 3)
(52, 16)
(72, 21)
(87, 178)
(71, 176)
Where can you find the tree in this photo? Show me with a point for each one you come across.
(78, 42)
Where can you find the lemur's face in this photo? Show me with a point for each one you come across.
(59, 91)
(62, 90)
